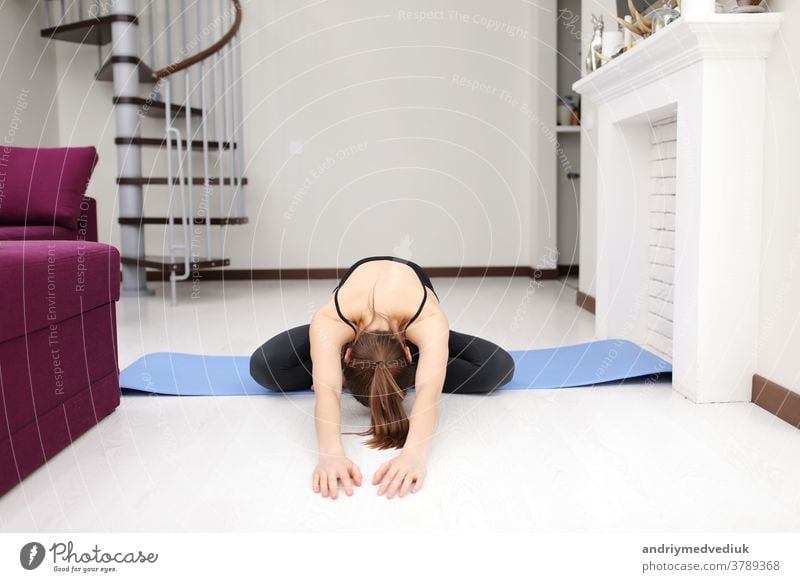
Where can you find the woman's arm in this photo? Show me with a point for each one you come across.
(406, 472)
(326, 345)
(327, 338)
(431, 335)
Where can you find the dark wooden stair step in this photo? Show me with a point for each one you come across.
(176, 181)
(96, 31)
(165, 264)
(106, 72)
(162, 143)
(154, 107)
(198, 220)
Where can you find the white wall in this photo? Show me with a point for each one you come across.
(85, 117)
(588, 200)
(570, 49)
(568, 157)
(779, 338)
(430, 169)
(29, 115)
(445, 175)
(544, 140)
(569, 161)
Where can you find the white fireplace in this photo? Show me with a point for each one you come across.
(680, 131)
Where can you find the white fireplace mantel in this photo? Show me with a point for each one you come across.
(681, 44)
(709, 72)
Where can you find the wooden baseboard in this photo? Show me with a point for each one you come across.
(281, 274)
(777, 399)
(543, 273)
(568, 270)
(585, 301)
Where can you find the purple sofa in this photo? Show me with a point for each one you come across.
(41, 194)
(58, 287)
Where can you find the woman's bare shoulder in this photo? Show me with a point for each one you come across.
(326, 323)
(326, 314)
(433, 327)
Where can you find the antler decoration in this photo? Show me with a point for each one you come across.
(634, 28)
(640, 26)
(644, 23)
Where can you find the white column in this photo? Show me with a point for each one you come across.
(718, 232)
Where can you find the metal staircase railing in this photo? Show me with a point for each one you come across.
(201, 111)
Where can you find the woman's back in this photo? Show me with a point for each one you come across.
(397, 289)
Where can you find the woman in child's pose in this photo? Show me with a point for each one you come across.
(377, 359)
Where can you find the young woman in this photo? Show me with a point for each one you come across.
(382, 331)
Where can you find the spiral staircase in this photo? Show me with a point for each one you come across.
(189, 79)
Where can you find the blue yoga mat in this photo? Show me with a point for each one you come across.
(584, 364)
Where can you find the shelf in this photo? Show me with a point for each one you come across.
(568, 128)
(197, 221)
(162, 143)
(156, 108)
(161, 181)
(106, 72)
(95, 31)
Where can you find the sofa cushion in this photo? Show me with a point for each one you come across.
(44, 186)
(49, 281)
(36, 233)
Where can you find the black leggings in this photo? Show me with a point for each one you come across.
(475, 365)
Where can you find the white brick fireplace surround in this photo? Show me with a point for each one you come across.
(707, 71)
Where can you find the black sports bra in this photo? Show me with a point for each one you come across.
(417, 269)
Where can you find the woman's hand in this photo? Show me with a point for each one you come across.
(329, 470)
(398, 474)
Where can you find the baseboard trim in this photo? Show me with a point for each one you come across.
(777, 400)
(543, 273)
(585, 301)
(568, 270)
(281, 274)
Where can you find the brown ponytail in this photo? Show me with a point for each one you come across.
(377, 375)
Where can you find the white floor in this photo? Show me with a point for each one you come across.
(634, 457)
